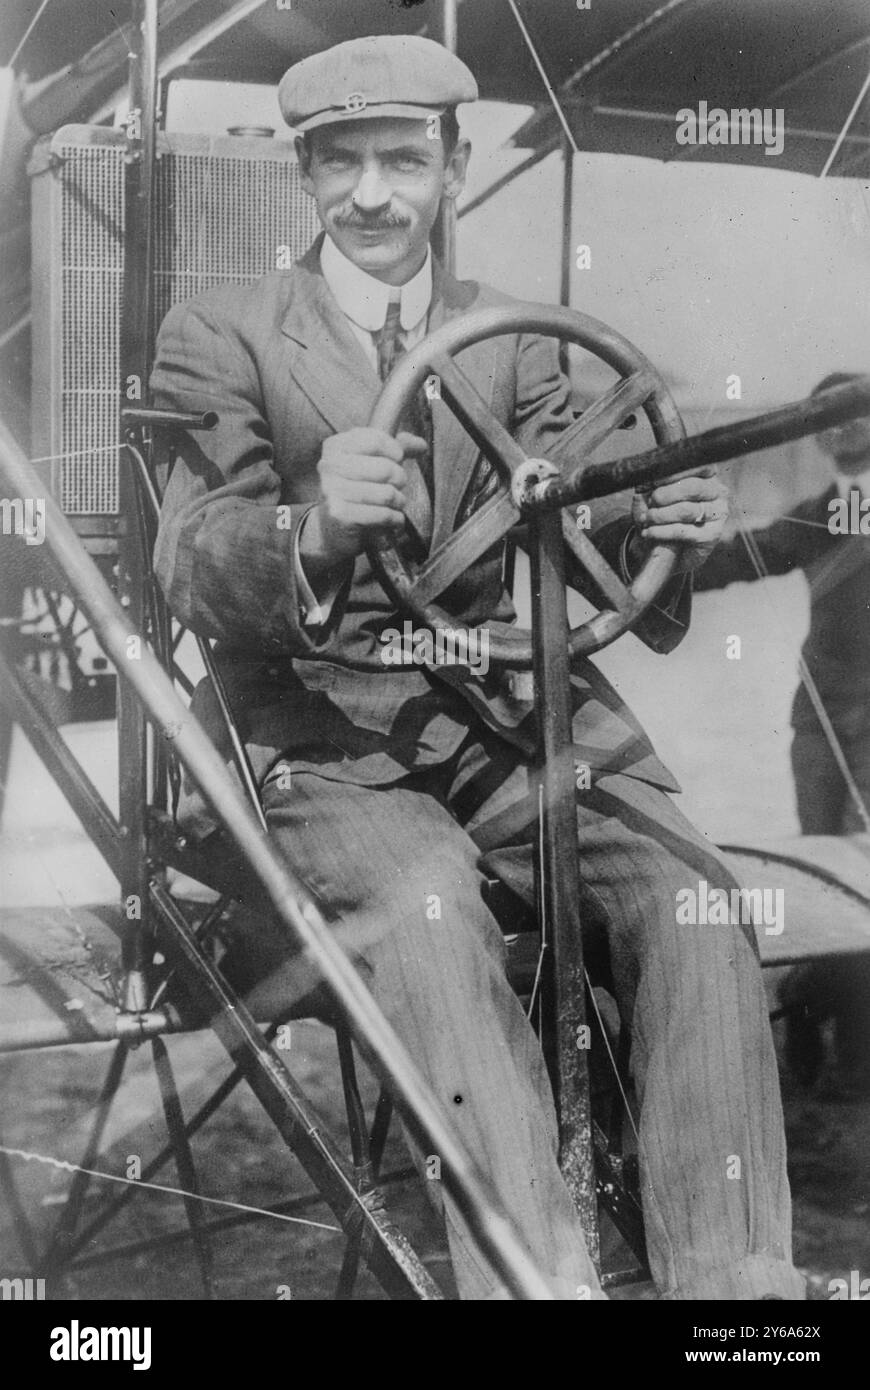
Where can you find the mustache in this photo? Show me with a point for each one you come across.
(377, 222)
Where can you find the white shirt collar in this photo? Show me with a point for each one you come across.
(364, 300)
(846, 483)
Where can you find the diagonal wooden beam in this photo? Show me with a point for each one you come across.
(58, 97)
(624, 44)
(183, 52)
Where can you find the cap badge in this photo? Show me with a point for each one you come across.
(355, 101)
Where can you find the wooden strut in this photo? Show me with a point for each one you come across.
(136, 336)
(445, 30)
(186, 1168)
(564, 981)
(84, 1236)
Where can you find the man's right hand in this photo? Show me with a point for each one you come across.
(362, 496)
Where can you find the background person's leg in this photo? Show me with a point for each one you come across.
(818, 783)
(822, 989)
(841, 988)
(857, 750)
(399, 877)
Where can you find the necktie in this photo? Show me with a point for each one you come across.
(387, 338)
(418, 418)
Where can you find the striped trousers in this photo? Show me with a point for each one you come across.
(400, 871)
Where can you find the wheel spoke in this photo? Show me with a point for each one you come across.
(418, 588)
(596, 566)
(602, 418)
(476, 418)
(482, 529)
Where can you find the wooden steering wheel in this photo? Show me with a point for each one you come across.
(415, 587)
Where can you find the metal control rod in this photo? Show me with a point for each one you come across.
(168, 419)
(816, 413)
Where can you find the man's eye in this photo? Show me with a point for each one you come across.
(408, 164)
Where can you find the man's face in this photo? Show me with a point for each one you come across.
(848, 445)
(378, 185)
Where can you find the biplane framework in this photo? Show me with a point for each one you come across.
(158, 738)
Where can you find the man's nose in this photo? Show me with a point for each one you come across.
(372, 190)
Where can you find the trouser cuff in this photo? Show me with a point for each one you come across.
(751, 1278)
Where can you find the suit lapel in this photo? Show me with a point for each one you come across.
(327, 361)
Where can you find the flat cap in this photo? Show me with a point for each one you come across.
(380, 75)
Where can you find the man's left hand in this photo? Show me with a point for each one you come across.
(690, 512)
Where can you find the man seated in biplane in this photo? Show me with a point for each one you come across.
(386, 790)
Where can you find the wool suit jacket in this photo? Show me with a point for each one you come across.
(837, 647)
(279, 363)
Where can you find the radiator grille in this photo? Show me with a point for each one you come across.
(223, 208)
(91, 269)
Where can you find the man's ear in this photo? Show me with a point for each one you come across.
(303, 154)
(456, 168)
